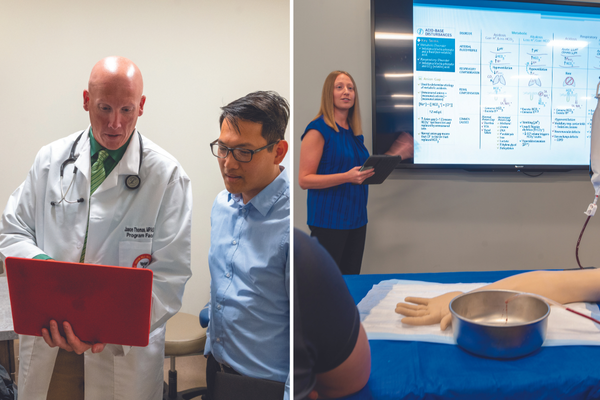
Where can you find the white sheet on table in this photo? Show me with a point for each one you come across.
(377, 311)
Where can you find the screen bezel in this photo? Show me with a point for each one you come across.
(376, 141)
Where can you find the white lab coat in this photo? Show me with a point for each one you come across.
(30, 226)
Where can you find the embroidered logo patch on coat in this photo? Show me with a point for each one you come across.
(142, 261)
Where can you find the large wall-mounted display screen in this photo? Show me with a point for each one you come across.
(486, 84)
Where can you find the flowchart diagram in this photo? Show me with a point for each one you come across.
(506, 91)
(493, 90)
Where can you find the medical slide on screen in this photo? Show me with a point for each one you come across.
(504, 86)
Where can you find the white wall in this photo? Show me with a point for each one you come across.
(429, 221)
(195, 56)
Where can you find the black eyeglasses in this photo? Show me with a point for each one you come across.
(242, 155)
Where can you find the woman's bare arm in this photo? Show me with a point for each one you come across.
(311, 152)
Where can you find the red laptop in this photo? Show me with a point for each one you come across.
(103, 304)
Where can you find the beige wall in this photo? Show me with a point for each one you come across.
(423, 221)
(195, 56)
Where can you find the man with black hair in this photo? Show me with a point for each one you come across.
(248, 334)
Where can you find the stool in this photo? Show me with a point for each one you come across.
(184, 337)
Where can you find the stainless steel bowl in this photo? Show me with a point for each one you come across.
(483, 323)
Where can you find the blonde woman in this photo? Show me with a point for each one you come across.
(331, 154)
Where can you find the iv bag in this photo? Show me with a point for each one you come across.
(595, 145)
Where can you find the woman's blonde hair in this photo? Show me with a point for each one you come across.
(327, 107)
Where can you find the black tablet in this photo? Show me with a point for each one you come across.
(383, 165)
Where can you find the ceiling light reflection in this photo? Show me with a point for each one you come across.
(393, 36)
(398, 75)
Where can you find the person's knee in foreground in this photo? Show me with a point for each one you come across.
(332, 357)
(248, 333)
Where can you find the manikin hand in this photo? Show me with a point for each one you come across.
(427, 311)
(71, 343)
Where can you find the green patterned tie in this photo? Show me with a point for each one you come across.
(98, 176)
(98, 173)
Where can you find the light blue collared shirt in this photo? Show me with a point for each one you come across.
(249, 262)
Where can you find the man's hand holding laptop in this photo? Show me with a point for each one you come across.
(71, 342)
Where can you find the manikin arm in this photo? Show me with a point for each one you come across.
(561, 286)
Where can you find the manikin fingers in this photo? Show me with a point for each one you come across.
(417, 300)
(411, 313)
(446, 322)
(411, 306)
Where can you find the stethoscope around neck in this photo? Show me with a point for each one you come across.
(132, 181)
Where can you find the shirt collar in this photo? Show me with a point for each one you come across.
(116, 155)
(264, 201)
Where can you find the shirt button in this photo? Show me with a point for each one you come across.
(228, 275)
(218, 306)
(218, 339)
(79, 245)
(234, 242)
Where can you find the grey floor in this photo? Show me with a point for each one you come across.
(190, 370)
